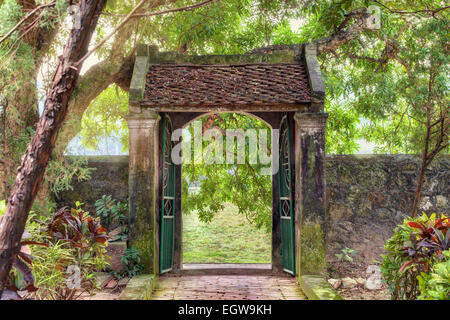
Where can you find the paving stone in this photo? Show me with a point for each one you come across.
(228, 287)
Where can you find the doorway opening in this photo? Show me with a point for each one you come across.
(226, 201)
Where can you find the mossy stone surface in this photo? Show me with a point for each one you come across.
(312, 248)
(317, 288)
(139, 288)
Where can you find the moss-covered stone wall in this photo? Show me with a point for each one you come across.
(109, 177)
(367, 195)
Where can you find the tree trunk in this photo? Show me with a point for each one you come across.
(418, 188)
(5, 162)
(36, 157)
(23, 105)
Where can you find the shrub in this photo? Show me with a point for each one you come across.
(132, 262)
(72, 244)
(113, 214)
(418, 243)
(436, 284)
(78, 244)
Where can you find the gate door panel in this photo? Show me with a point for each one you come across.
(168, 199)
(286, 201)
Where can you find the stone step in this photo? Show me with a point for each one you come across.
(226, 269)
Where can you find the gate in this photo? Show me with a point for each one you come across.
(168, 199)
(286, 201)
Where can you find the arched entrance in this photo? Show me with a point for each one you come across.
(284, 89)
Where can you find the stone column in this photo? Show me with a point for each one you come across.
(143, 186)
(310, 213)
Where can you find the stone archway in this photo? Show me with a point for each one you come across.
(184, 119)
(268, 86)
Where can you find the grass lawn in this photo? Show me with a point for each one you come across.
(228, 238)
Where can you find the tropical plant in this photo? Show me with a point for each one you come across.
(429, 244)
(113, 215)
(70, 240)
(417, 244)
(111, 211)
(436, 284)
(76, 227)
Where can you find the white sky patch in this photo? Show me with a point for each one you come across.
(296, 24)
(365, 147)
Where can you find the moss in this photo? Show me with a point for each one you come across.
(317, 288)
(312, 249)
(144, 243)
(275, 57)
(139, 288)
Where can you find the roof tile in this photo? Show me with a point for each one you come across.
(193, 85)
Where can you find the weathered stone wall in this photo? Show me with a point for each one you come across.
(109, 177)
(367, 195)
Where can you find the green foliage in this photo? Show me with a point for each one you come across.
(48, 270)
(60, 174)
(72, 238)
(113, 214)
(104, 118)
(346, 254)
(401, 285)
(240, 184)
(436, 284)
(382, 78)
(411, 255)
(133, 266)
(2, 207)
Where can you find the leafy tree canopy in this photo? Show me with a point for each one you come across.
(380, 84)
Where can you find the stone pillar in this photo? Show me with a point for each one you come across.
(143, 186)
(310, 212)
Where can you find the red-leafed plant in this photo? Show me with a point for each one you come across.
(428, 243)
(76, 227)
(86, 237)
(70, 239)
(417, 245)
(23, 263)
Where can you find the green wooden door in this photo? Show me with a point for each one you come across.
(286, 201)
(168, 200)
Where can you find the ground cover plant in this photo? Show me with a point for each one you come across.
(61, 253)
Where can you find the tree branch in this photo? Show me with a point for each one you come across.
(343, 36)
(429, 11)
(121, 24)
(32, 12)
(132, 14)
(151, 14)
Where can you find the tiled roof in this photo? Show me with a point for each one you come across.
(195, 85)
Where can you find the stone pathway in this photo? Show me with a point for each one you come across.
(227, 287)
